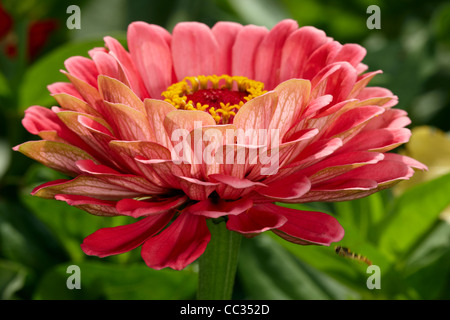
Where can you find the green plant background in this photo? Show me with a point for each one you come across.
(401, 233)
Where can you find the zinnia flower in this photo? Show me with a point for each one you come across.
(183, 127)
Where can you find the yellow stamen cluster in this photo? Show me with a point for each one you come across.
(177, 94)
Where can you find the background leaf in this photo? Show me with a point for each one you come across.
(117, 282)
(412, 215)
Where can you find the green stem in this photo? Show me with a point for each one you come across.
(219, 263)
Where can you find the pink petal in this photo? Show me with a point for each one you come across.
(380, 140)
(225, 34)
(339, 82)
(316, 151)
(351, 53)
(374, 92)
(362, 83)
(108, 65)
(382, 172)
(116, 240)
(268, 56)
(178, 245)
(151, 54)
(320, 58)
(390, 119)
(39, 120)
(64, 87)
(316, 105)
(341, 163)
(124, 59)
(83, 68)
(297, 48)
(195, 50)
(351, 120)
(247, 40)
(406, 160)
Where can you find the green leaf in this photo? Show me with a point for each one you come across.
(268, 271)
(412, 215)
(12, 279)
(260, 12)
(361, 214)
(25, 239)
(70, 225)
(5, 157)
(429, 263)
(102, 280)
(4, 87)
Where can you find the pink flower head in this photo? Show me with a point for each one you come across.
(216, 123)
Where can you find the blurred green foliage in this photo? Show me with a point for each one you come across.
(402, 234)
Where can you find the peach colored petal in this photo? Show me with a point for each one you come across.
(248, 41)
(59, 156)
(114, 91)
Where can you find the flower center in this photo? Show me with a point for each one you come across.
(221, 96)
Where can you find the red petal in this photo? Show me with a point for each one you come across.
(178, 245)
(307, 227)
(116, 240)
(138, 209)
(93, 206)
(291, 187)
(215, 209)
(255, 220)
